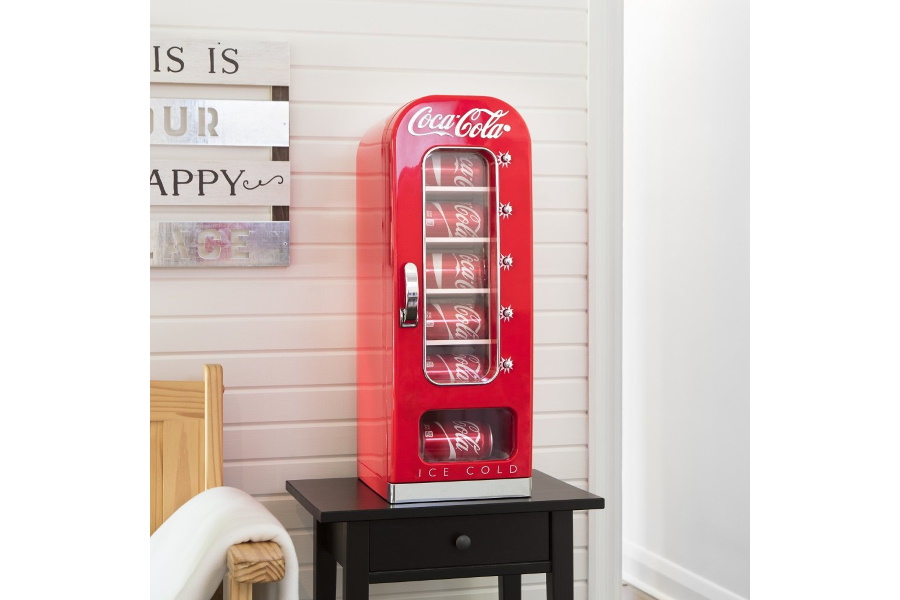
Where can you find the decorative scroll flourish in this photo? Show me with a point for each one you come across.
(260, 183)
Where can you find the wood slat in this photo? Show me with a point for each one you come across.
(339, 367)
(353, 120)
(336, 192)
(243, 406)
(254, 334)
(562, 193)
(428, 20)
(257, 562)
(522, 90)
(268, 476)
(341, 50)
(558, 293)
(560, 430)
(283, 332)
(339, 227)
(288, 440)
(240, 122)
(560, 259)
(296, 404)
(157, 509)
(233, 61)
(328, 261)
(217, 190)
(560, 361)
(560, 228)
(560, 328)
(210, 214)
(562, 463)
(186, 440)
(214, 390)
(323, 192)
(339, 157)
(291, 440)
(552, 395)
(307, 261)
(176, 399)
(224, 296)
(559, 159)
(266, 370)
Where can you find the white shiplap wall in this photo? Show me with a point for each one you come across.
(285, 336)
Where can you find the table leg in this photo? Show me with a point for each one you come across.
(356, 566)
(560, 584)
(325, 566)
(510, 587)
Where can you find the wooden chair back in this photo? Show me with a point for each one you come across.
(185, 441)
(186, 459)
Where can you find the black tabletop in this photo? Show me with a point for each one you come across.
(349, 499)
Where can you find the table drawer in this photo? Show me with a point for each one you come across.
(437, 542)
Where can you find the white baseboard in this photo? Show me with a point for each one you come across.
(666, 580)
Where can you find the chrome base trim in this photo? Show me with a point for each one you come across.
(478, 489)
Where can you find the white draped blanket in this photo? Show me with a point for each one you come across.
(187, 552)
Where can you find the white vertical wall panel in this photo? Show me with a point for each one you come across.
(285, 336)
(521, 90)
(326, 121)
(311, 332)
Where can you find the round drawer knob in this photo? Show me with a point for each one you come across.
(463, 542)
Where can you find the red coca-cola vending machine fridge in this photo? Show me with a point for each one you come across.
(444, 299)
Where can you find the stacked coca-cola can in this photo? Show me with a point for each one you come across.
(455, 270)
(446, 440)
(456, 367)
(454, 219)
(449, 320)
(458, 169)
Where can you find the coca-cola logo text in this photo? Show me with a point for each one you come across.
(468, 322)
(468, 436)
(465, 270)
(465, 169)
(470, 124)
(468, 221)
(467, 367)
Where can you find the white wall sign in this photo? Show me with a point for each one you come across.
(216, 62)
(182, 178)
(227, 244)
(204, 182)
(218, 122)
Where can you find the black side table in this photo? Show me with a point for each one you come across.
(378, 542)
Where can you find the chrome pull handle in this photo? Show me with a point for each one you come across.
(409, 315)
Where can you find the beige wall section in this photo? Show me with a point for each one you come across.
(285, 336)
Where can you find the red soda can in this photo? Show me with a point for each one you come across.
(454, 219)
(455, 169)
(448, 320)
(455, 367)
(455, 270)
(446, 440)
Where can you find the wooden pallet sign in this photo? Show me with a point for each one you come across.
(227, 183)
